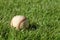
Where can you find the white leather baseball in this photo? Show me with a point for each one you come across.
(19, 22)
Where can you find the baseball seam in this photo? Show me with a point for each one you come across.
(21, 22)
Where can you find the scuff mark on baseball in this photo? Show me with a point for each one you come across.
(19, 22)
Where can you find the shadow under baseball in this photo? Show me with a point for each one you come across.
(33, 26)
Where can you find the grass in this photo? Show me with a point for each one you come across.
(43, 15)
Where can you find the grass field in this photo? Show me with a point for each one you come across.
(43, 15)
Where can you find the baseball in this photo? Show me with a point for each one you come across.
(19, 22)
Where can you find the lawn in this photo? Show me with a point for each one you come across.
(43, 16)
